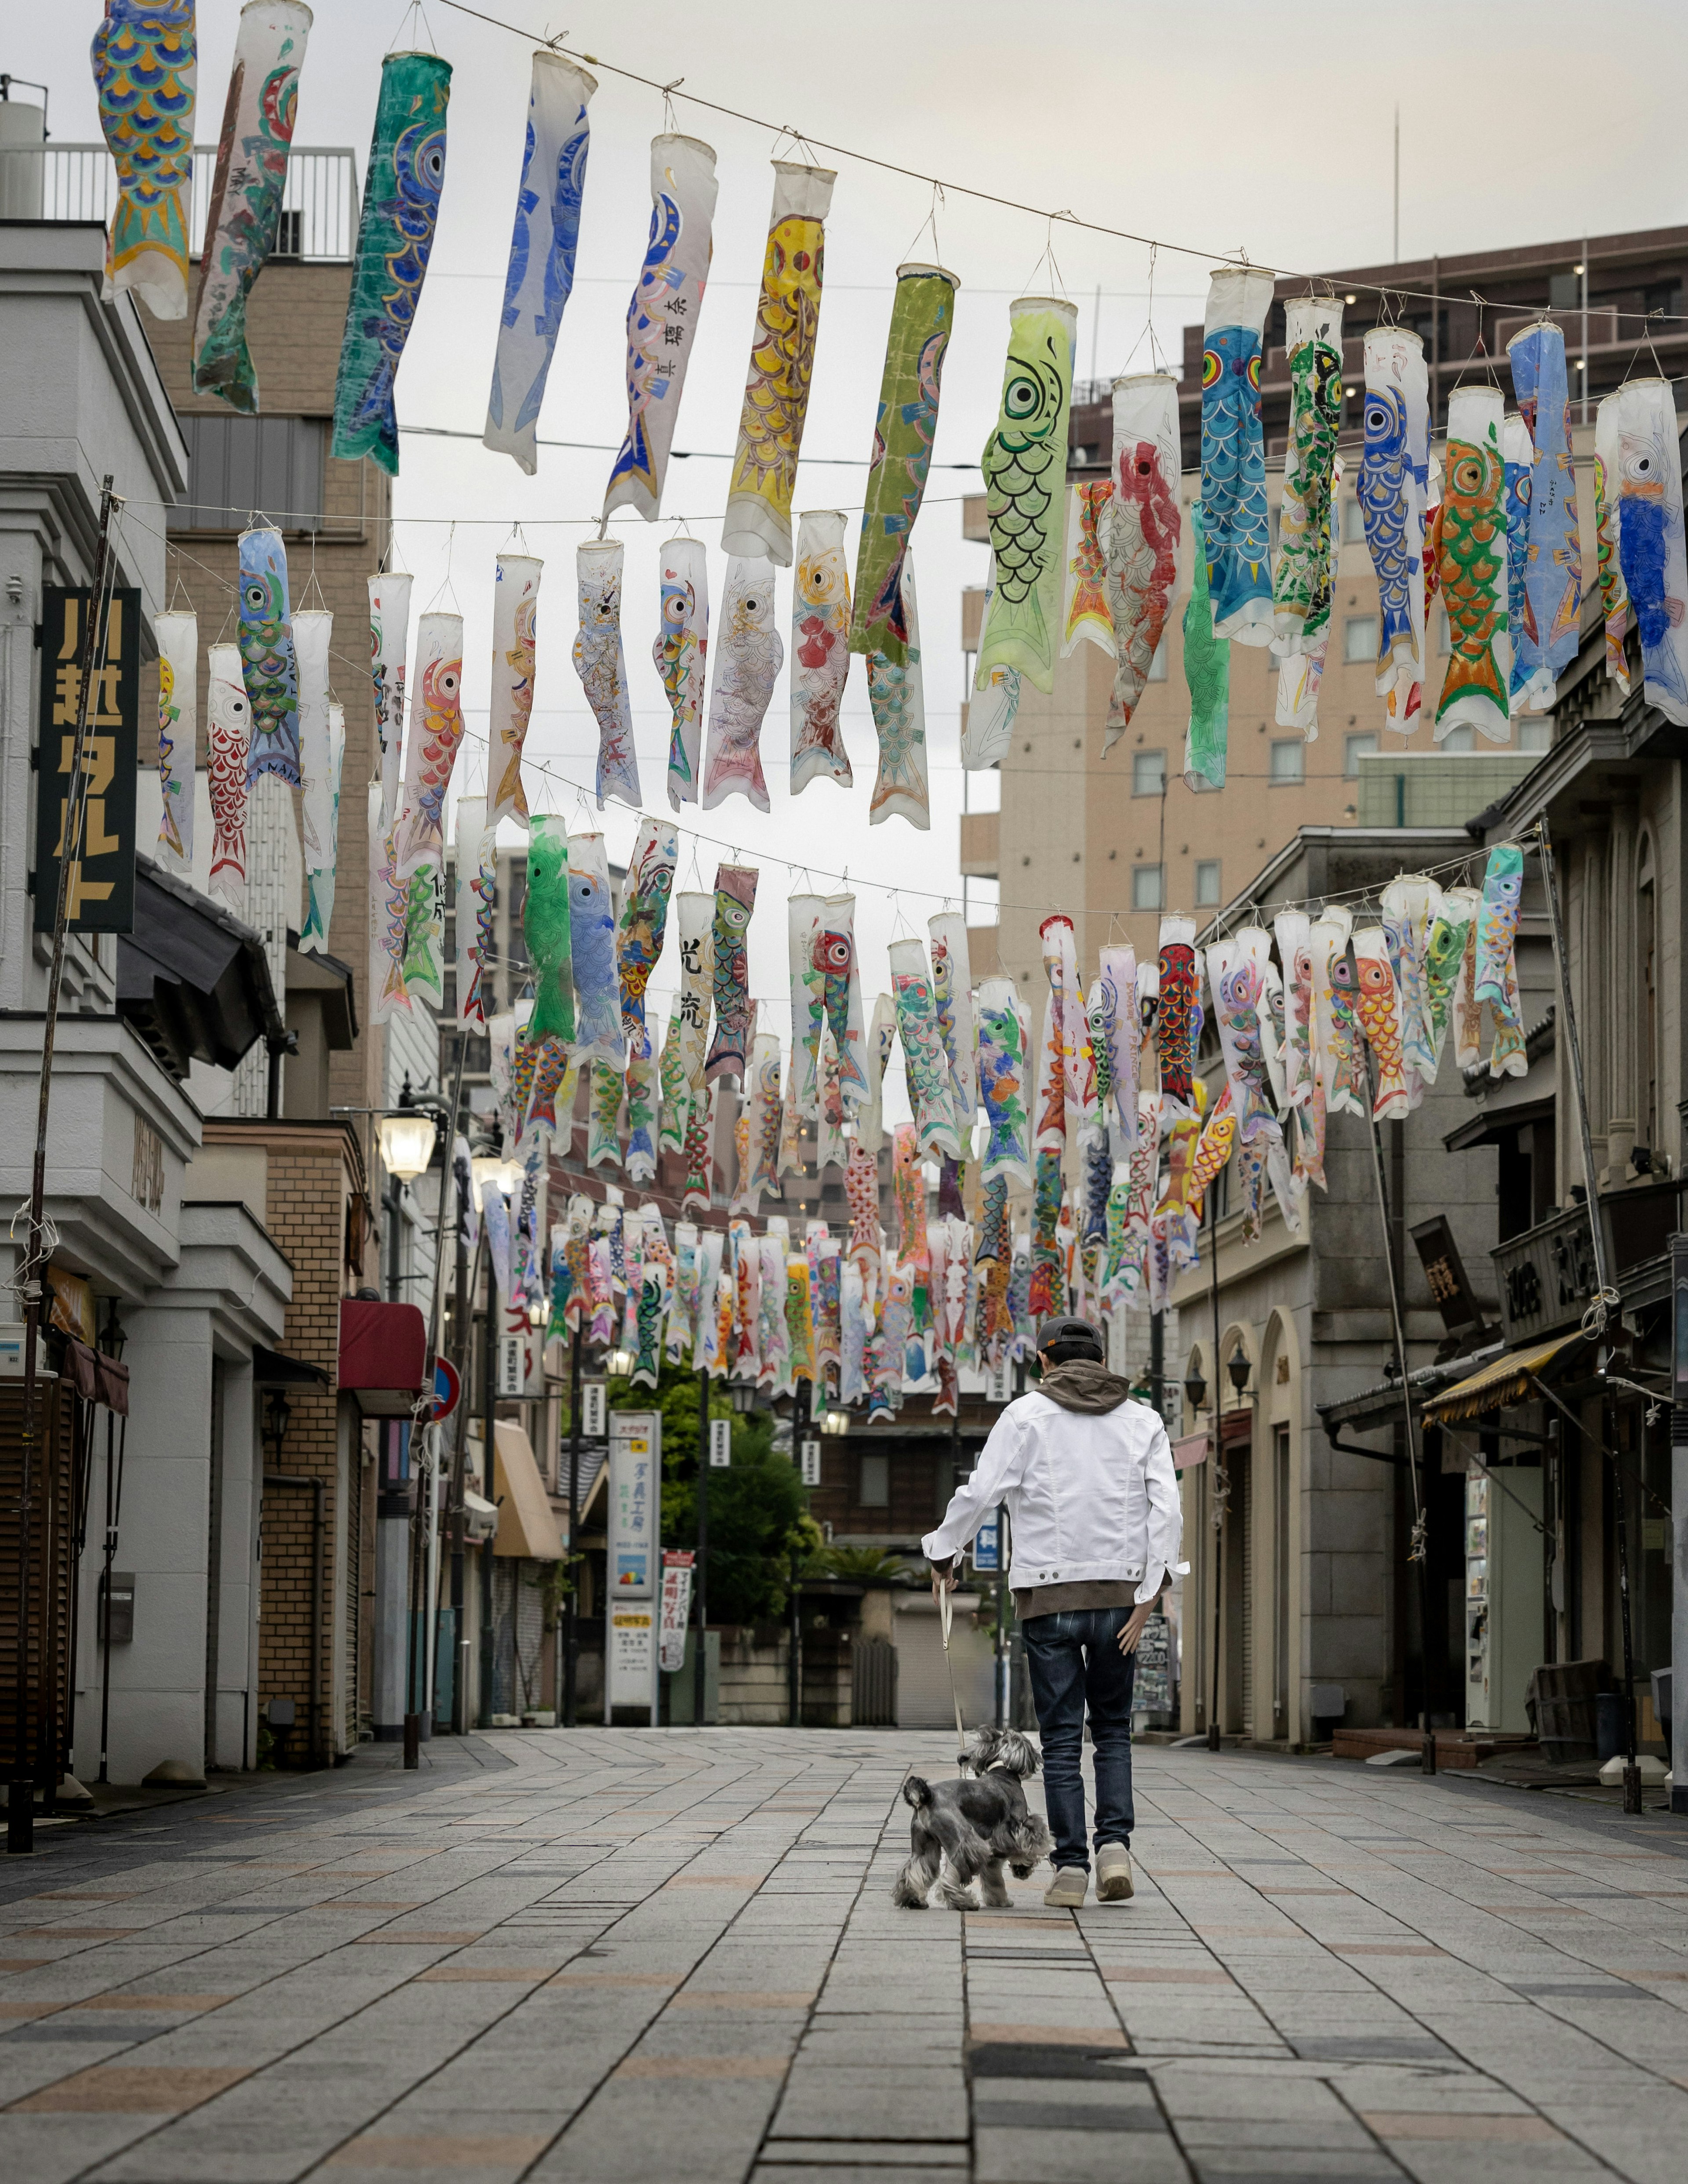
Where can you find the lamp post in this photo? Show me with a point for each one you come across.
(571, 1598)
(406, 1137)
(700, 1665)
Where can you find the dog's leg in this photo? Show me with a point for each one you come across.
(913, 1884)
(953, 1889)
(992, 1888)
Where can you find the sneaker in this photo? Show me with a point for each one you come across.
(1066, 1891)
(1114, 1882)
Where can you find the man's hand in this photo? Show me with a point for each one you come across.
(1133, 1625)
(943, 1578)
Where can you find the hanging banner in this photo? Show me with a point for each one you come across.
(677, 1606)
(820, 651)
(419, 838)
(735, 898)
(1025, 469)
(178, 636)
(1300, 590)
(1636, 432)
(402, 190)
(923, 315)
(1233, 455)
(896, 696)
(515, 607)
(1471, 538)
(1396, 397)
(101, 894)
(602, 667)
(246, 194)
(145, 62)
(1003, 1048)
(748, 654)
(952, 993)
(1553, 584)
(680, 652)
(1141, 529)
(319, 774)
(267, 660)
(758, 520)
(389, 637)
(644, 923)
(662, 318)
(226, 716)
(540, 277)
(925, 1066)
(696, 989)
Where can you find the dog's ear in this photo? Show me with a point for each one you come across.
(981, 1747)
(1018, 1754)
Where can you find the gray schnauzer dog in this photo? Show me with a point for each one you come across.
(967, 1830)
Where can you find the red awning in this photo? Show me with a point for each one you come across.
(1192, 1449)
(99, 1379)
(383, 1355)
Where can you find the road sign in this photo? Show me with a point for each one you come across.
(988, 1544)
(811, 1463)
(447, 1389)
(594, 1400)
(720, 1443)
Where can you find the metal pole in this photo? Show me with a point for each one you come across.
(802, 1396)
(1632, 1773)
(700, 1666)
(489, 1382)
(1002, 1615)
(466, 1279)
(1596, 1230)
(20, 1792)
(1397, 185)
(572, 1597)
(1584, 419)
(1158, 1362)
(1217, 1487)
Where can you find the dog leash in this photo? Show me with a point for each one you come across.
(945, 1614)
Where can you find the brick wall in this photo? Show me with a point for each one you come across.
(315, 1169)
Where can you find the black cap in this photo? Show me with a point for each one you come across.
(1059, 1333)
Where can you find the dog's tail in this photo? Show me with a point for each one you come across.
(916, 1791)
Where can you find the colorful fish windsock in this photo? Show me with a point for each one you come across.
(546, 926)
(1005, 1081)
(681, 651)
(516, 609)
(1121, 1032)
(178, 636)
(1140, 532)
(841, 992)
(696, 989)
(1085, 600)
(765, 1114)
(145, 61)
(882, 1037)
(1636, 435)
(402, 188)
(1378, 1007)
(601, 664)
(806, 962)
(477, 875)
(1177, 1021)
(592, 946)
(1025, 469)
(758, 519)
(1238, 546)
(1553, 583)
(1471, 562)
(990, 717)
(643, 923)
(1301, 674)
(1497, 963)
(1236, 974)
(1396, 409)
(267, 658)
(1410, 904)
(923, 314)
(246, 196)
(662, 318)
(228, 716)
(1207, 673)
(896, 697)
(820, 651)
(1301, 583)
(748, 654)
(389, 642)
(924, 1063)
(735, 898)
(1517, 454)
(1614, 595)
(952, 980)
(419, 837)
(386, 914)
(1444, 950)
(540, 276)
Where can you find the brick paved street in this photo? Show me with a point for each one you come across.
(625, 1955)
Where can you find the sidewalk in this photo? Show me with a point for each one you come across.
(615, 1957)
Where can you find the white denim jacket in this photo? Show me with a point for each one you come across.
(1089, 1498)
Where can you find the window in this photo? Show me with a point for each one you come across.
(1207, 882)
(241, 466)
(1145, 887)
(1360, 638)
(1148, 772)
(1535, 735)
(1288, 759)
(873, 1482)
(1456, 739)
(1354, 749)
(1157, 665)
(1353, 523)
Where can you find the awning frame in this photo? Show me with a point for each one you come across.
(1507, 1381)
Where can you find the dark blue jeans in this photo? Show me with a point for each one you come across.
(1075, 1663)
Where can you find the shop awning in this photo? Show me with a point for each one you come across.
(274, 1368)
(99, 1379)
(1192, 1449)
(1505, 1381)
(383, 1355)
(526, 1528)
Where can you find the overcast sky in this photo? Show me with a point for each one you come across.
(1223, 127)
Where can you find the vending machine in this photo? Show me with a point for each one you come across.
(1503, 1595)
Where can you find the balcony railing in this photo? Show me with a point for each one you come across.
(79, 182)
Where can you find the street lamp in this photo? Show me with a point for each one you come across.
(277, 1410)
(1196, 1389)
(407, 1142)
(836, 1422)
(503, 1175)
(743, 1396)
(620, 1364)
(1237, 1365)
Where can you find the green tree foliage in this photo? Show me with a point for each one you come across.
(758, 1509)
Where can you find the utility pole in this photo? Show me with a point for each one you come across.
(1217, 1484)
(572, 1597)
(489, 1384)
(700, 1666)
(802, 1396)
(20, 1791)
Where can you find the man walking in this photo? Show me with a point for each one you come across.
(1093, 1504)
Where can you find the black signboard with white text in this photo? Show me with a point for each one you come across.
(101, 892)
